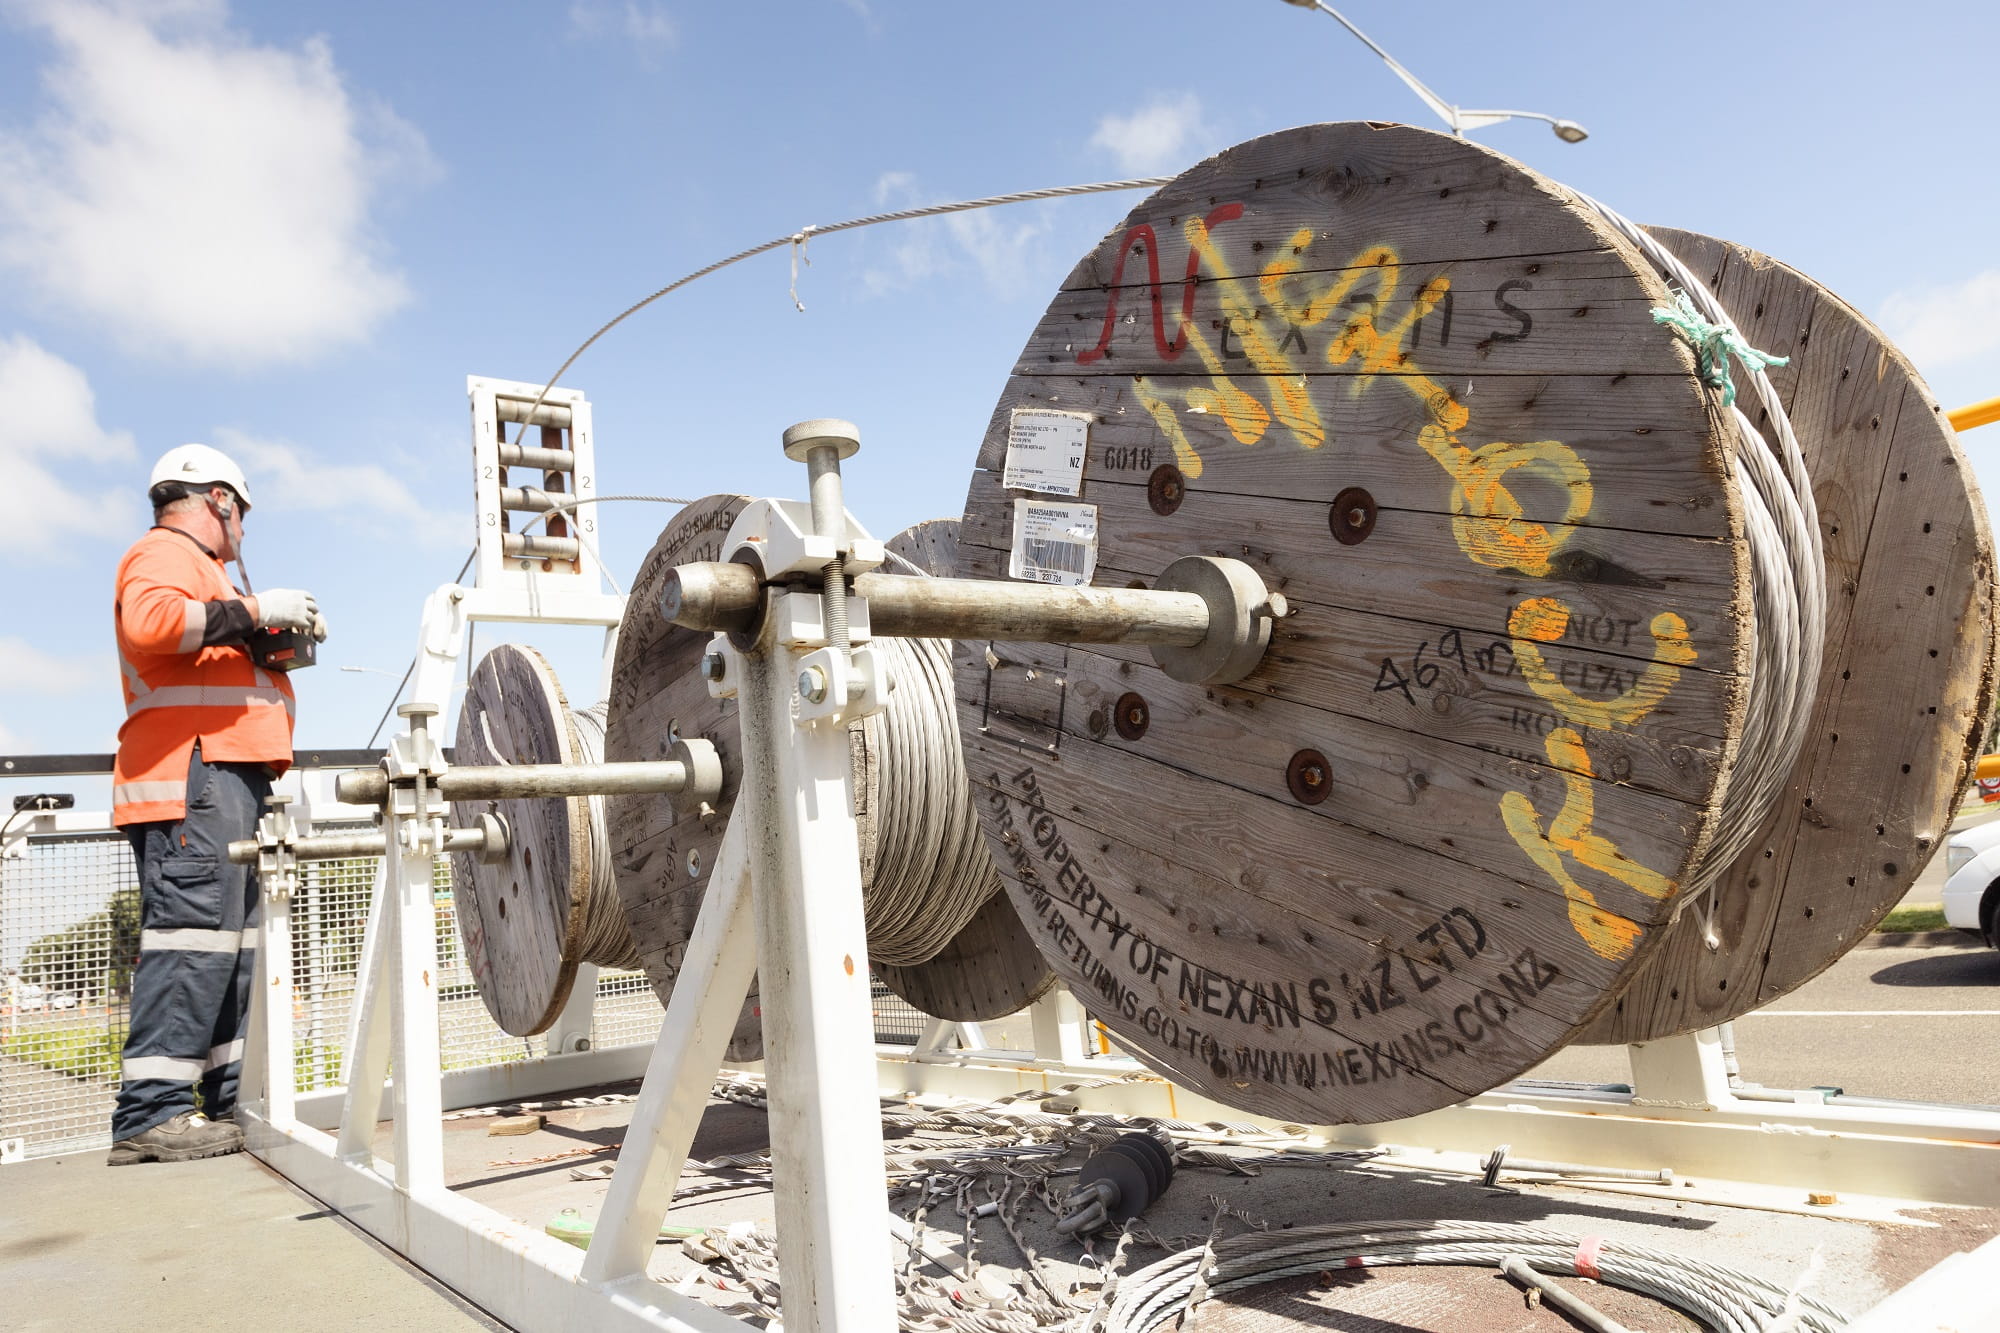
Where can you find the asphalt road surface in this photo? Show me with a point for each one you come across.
(1917, 1021)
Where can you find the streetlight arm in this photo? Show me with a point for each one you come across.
(1445, 110)
(1457, 120)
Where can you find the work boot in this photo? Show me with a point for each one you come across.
(186, 1137)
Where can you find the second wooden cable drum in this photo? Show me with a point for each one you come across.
(1423, 391)
(528, 921)
(983, 967)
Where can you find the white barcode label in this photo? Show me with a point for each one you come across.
(1054, 543)
(1045, 451)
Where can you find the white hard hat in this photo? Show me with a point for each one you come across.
(200, 465)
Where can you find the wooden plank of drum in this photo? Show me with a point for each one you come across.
(521, 919)
(662, 860)
(1419, 389)
(991, 968)
(1908, 678)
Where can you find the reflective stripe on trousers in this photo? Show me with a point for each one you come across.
(197, 957)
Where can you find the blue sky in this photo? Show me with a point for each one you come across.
(292, 230)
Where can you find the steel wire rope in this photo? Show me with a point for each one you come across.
(1788, 590)
(606, 940)
(797, 239)
(1729, 1300)
(930, 872)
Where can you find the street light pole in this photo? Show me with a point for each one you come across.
(1458, 119)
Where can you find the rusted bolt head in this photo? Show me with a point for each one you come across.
(1130, 716)
(1352, 516)
(1165, 489)
(1309, 777)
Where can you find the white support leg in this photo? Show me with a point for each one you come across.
(819, 1042)
(269, 1078)
(1685, 1071)
(570, 1032)
(939, 1036)
(1058, 1027)
(368, 1035)
(721, 958)
(280, 1068)
(412, 922)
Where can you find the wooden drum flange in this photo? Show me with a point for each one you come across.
(661, 858)
(1908, 678)
(1419, 388)
(521, 920)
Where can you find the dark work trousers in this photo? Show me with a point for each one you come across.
(198, 919)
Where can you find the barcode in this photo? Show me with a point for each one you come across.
(1041, 553)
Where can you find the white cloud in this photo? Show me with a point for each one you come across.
(26, 669)
(51, 444)
(1160, 137)
(1004, 245)
(1946, 325)
(204, 198)
(287, 479)
(644, 23)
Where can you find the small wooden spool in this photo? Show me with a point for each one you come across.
(662, 860)
(1419, 388)
(521, 920)
(1908, 678)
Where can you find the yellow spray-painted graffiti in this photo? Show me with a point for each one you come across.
(1544, 619)
(1569, 834)
(1489, 522)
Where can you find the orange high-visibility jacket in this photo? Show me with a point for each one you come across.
(172, 594)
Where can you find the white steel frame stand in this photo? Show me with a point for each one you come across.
(793, 848)
(784, 902)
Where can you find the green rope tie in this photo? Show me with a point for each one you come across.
(1713, 345)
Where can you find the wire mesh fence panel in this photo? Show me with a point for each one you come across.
(897, 1021)
(69, 935)
(329, 929)
(627, 1010)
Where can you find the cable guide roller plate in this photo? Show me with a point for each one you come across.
(521, 920)
(1908, 678)
(1419, 388)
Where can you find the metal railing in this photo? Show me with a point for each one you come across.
(69, 933)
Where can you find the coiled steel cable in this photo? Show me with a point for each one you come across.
(1788, 582)
(606, 940)
(1729, 1300)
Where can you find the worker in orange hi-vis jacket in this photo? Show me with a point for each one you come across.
(206, 730)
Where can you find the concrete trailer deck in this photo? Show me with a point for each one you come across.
(228, 1244)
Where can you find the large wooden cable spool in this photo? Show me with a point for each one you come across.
(1908, 677)
(985, 969)
(1419, 388)
(522, 920)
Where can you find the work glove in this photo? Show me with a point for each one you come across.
(286, 608)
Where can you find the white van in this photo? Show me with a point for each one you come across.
(1972, 884)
